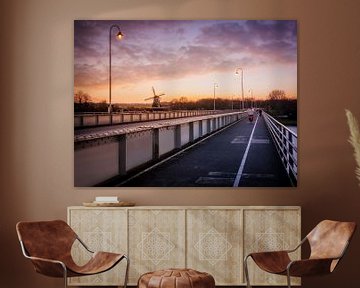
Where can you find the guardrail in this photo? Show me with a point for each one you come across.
(286, 145)
(82, 120)
(101, 156)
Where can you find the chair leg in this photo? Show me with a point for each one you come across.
(246, 270)
(65, 276)
(127, 271)
(288, 278)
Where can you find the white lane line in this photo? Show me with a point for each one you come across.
(242, 165)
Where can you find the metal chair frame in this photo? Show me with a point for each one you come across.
(288, 276)
(26, 255)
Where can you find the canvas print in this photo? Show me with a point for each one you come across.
(185, 103)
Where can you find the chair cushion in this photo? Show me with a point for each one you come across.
(176, 278)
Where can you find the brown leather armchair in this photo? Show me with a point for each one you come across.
(48, 245)
(328, 242)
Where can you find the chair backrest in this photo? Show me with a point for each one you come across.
(46, 239)
(329, 239)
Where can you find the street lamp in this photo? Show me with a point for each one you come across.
(119, 36)
(242, 85)
(215, 86)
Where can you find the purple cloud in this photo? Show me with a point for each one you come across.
(175, 49)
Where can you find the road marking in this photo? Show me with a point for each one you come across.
(240, 140)
(245, 139)
(242, 165)
(257, 176)
(222, 174)
(215, 181)
(260, 141)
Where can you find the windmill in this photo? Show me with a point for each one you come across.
(156, 99)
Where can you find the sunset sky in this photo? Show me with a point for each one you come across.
(185, 58)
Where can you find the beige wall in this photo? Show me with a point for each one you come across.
(36, 110)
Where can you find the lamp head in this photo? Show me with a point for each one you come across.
(119, 35)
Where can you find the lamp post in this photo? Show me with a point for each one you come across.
(119, 36)
(242, 85)
(215, 86)
(252, 100)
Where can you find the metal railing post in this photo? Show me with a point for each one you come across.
(285, 145)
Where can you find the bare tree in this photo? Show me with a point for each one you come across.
(82, 97)
(277, 95)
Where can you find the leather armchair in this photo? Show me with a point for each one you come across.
(48, 245)
(328, 243)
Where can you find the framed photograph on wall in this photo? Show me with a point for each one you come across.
(190, 103)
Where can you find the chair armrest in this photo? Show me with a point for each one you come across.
(45, 260)
(268, 254)
(298, 246)
(281, 251)
(309, 267)
(271, 252)
(48, 267)
(84, 245)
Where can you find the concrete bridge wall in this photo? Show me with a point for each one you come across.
(100, 159)
(99, 119)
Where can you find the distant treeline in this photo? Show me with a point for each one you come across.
(277, 104)
(281, 107)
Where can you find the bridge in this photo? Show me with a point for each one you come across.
(212, 150)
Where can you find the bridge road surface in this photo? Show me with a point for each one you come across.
(216, 162)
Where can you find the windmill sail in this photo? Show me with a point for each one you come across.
(156, 99)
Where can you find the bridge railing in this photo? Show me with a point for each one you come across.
(101, 156)
(286, 144)
(82, 120)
